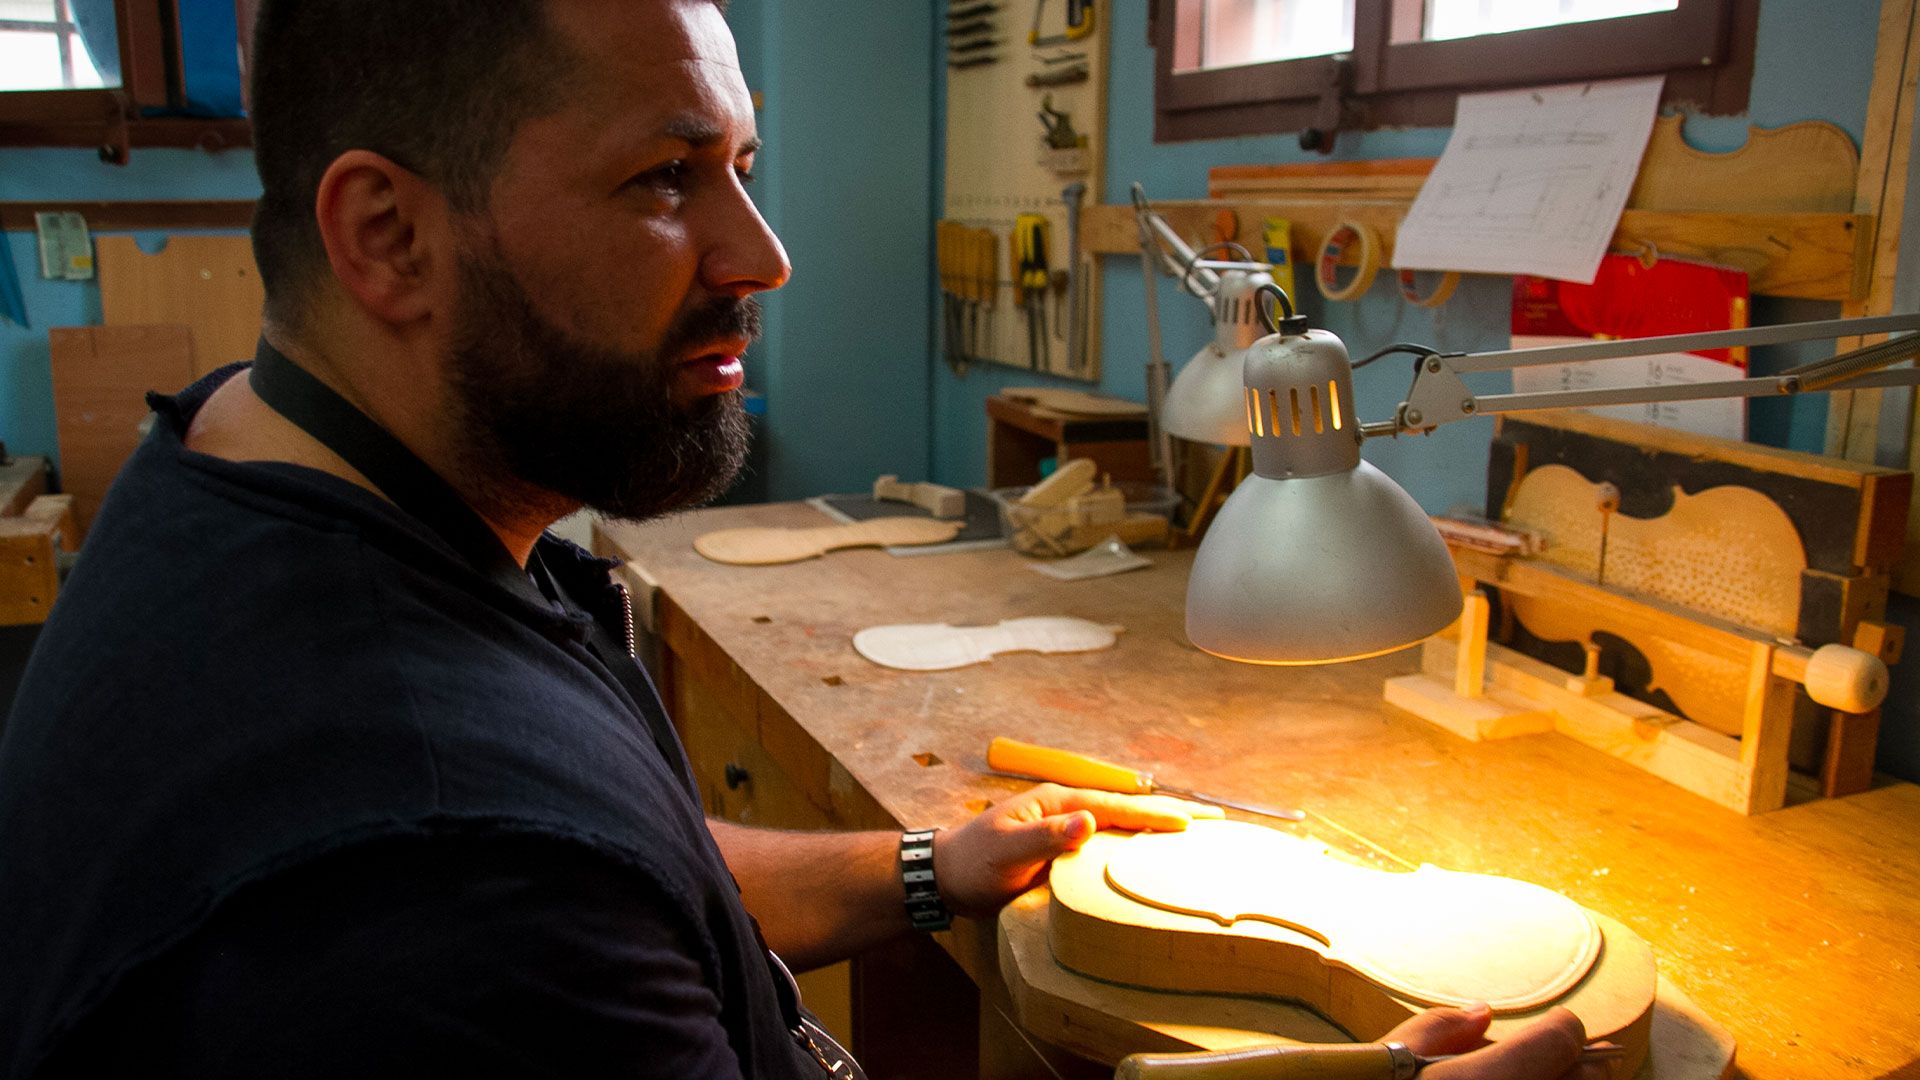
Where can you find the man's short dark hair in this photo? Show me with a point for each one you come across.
(437, 86)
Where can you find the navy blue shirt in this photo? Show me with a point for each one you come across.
(283, 765)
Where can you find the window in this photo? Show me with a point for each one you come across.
(42, 47)
(107, 74)
(1244, 67)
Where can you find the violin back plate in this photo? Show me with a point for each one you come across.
(1434, 936)
(1240, 909)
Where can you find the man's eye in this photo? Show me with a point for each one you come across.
(746, 175)
(671, 177)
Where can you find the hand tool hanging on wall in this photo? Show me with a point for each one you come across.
(1030, 240)
(1073, 195)
(1075, 74)
(1059, 125)
(947, 255)
(986, 275)
(1079, 23)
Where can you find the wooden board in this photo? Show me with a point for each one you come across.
(1807, 167)
(998, 166)
(1813, 256)
(1395, 178)
(207, 282)
(1074, 403)
(101, 375)
(29, 569)
(760, 547)
(1098, 931)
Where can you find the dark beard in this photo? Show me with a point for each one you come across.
(578, 423)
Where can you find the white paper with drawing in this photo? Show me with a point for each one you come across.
(1532, 181)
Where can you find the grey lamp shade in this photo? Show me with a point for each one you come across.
(1318, 556)
(1207, 402)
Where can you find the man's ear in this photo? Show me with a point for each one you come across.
(386, 235)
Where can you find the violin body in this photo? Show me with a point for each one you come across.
(1232, 908)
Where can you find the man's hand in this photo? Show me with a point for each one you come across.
(1000, 854)
(1546, 1048)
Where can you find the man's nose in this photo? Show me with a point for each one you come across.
(744, 256)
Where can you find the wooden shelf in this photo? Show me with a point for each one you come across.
(1814, 256)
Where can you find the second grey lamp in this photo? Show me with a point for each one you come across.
(1318, 556)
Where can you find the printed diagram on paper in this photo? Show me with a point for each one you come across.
(1532, 181)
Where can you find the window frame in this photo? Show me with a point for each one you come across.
(1705, 47)
(113, 119)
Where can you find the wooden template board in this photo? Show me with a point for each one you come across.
(208, 283)
(100, 378)
(999, 165)
(761, 547)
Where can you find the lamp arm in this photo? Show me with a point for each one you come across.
(1439, 395)
(1159, 445)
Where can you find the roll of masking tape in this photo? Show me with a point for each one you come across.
(1345, 237)
(1410, 288)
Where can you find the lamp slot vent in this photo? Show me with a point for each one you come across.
(1333, 403)
(1293, 400)
(1313, 401)
(1273, 407)
(1254, 417)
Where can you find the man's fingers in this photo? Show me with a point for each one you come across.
(1039, 841)
(1159, 813)
(1444, 1030)
(1548, 1047)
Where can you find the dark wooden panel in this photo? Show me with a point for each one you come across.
(146, 214)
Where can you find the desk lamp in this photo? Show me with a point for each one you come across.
(1204, 403)
(1319, 557)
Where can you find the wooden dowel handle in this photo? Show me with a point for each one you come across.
(1064, 767)
(1361, 1061)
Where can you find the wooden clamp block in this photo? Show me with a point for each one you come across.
(936, 499)
(29, 568)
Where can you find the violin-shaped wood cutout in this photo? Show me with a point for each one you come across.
(1728, 552)
(766, 545)
(1228, 907)
(939, 646)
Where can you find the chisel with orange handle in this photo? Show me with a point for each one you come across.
(1011, 757)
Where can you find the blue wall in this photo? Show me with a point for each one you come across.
(847, 181)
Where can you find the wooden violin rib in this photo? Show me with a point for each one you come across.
(1227, 907)
(764, 546)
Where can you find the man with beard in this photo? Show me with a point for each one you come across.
(330, 762)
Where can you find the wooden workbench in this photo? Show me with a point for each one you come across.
(1799, 930)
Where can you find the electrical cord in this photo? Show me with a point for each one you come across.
(1421, 351)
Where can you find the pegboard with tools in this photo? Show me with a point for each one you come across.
(1026, 112)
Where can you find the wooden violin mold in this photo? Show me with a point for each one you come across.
(1228, 907)
(1727, 552)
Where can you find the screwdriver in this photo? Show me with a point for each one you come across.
(1029, 762)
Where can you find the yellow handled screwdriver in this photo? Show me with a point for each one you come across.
(1010, 757)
